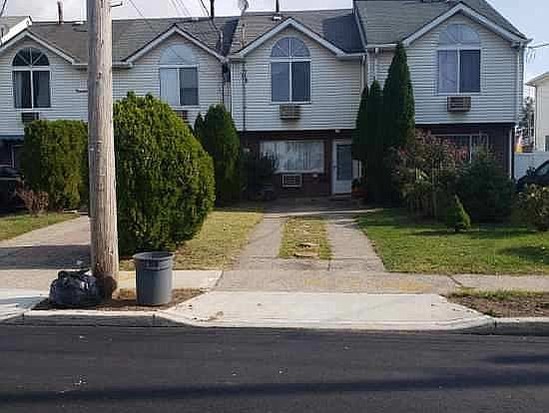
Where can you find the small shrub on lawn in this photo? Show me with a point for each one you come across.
(456, 217)
(534, 207)
(165, 181)
(36, 202)
(220, 139)
(486, 190)
(53, 160)
(425, 172)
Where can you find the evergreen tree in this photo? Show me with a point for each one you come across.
(375, 149)
(457, 218)
(359, 135)
(198, 126)
(220, 139)
(399, 109)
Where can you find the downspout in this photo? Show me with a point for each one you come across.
(362, 72)
(376, 52)
(518, 102)
(244, 81)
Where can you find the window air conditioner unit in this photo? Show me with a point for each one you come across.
(290, 112)
(292, 181)
(28, 117)
(183, 114)
(459, 103)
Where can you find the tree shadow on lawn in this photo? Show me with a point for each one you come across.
(538, 255)
(479, 233)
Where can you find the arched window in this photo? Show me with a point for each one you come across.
(459, 60)
(179, 76)
(31, 79)
(290, 71)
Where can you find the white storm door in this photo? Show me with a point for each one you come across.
(342, 168)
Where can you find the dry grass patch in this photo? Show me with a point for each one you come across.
(505, 303)
(305, 237)
(218, 244)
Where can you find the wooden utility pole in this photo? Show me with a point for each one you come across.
(104, 232)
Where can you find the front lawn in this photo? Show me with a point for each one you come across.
(409, 245)
(223, 235)
(13, 225)
(305, 237)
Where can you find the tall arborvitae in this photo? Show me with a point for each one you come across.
(220, 139)
(375, 149)
(359, 135)
(398, 106)
(198, 126)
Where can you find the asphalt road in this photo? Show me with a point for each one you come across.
(178, 370)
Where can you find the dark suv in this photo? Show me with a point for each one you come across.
(10, 179)
(539, 177)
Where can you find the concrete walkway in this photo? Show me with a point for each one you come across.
(32, 260)
(259, 267)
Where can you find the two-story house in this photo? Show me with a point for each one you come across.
(541, 85)
(292, 80)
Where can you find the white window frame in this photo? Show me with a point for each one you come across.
(178, 68)
(320, 170)
(459, 48)
(290, 60)
(32, 70)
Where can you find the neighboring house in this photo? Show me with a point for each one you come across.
(541, 84)
(292, 80)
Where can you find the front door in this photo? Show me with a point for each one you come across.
(342, 169)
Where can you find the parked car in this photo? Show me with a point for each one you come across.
(538, 177)
(10, 179)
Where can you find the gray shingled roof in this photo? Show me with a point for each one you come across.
(11, 21)
(390, 21)
(129, 36)
(336, 26)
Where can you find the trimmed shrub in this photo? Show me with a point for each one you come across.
(165, 181)
(486, 190)
(456, 216)
(53, 160)
(257, 174)
(220, 139)
(534, 207)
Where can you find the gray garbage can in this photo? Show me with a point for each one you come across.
(153, 276)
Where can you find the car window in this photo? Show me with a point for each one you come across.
(543, 170)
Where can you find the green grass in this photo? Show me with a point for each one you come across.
(500, 295)
(305, 237)
(218, 244)
(414, 246)
(13, 225)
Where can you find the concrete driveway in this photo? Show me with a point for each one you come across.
(32, 260)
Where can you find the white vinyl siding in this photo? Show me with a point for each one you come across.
(65, 80)
(500, 78)
(334, 95)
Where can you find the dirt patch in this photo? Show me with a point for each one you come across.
(505, 304)
(126, 300)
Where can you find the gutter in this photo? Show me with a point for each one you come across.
(115, 65)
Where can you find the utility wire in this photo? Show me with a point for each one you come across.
(204, 7)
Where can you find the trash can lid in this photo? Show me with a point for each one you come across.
(153, 256)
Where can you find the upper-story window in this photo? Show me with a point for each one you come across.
(459, 60)
(31, 79)
(290, 71)
(179, 76)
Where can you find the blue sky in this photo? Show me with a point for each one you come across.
(530, 16)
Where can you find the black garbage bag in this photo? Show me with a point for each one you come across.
(75, 289)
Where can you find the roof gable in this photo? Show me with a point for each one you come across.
(335, 29)
(539, 80)
(391, 21)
